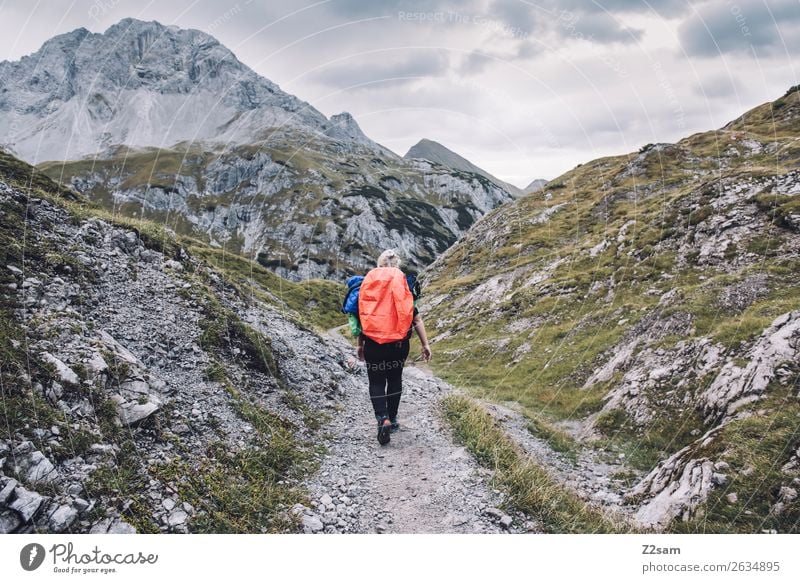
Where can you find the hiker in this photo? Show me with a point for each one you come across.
(387, 316)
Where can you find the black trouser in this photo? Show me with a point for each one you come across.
(385, 371)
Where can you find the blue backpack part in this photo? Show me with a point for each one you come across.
(413, 286)
(350, 303)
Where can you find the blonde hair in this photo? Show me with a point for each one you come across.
(389, 259)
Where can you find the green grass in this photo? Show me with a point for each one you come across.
(529, 487)
(559, 440)
(575, 312)
(28, 179)
(564, 351)
(124, 486)
(237, 492)
(645, 446)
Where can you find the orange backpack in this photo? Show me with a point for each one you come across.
(385, 305)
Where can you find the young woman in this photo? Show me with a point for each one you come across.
(385, 365)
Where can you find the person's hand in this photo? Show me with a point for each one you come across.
(360, 353)
(426, 353)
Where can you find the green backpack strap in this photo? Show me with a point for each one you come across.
(355, 325)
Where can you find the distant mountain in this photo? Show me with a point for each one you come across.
(647, 304)
(435, 152)
(535, 186)
(166, 122)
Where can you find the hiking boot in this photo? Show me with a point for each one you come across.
(384, 429)
(395, 425)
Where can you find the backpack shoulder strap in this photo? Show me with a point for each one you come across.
(413, 285)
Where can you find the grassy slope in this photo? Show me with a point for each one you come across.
(571, 321)
(531, 489)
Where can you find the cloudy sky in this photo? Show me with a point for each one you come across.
(524, 89)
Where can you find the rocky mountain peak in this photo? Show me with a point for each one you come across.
(138, 84)
(345, 128)
(435, 152)
(535, 186)
(344, 124)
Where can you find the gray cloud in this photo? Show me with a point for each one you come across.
(718, 86)
(578, 20)
(536, 104)
(754, 27)
(662, 7)
(600, 27)
(375, 71)
(362, 9)
(479, 61)
(474, 63)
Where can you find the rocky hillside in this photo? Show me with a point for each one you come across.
(302, 211)
(150, 384)
(646, 306)
(166, 123)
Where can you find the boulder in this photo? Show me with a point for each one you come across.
(97, 365)
(119, 350)
(177, 518)
(7, 490)
(62, 518)
(9, 521)
(64, 373)
(312, 524)
(132, 413)
(112, 526)
(26, 503)
(32, 466)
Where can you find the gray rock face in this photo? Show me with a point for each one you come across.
(344, 128)
(331, 207)
(435, 152)
(335, 212)
(680, 486)
(131, 413)
(737, 385)
(9, 521)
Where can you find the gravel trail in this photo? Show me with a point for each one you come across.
(421, 482)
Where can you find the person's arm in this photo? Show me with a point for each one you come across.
(360, 350)
(419, 326)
